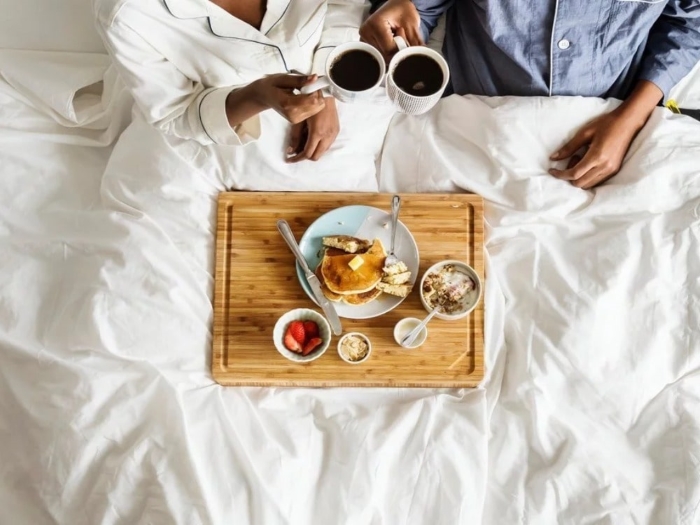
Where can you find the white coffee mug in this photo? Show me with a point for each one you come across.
(345, 95)
(412, 104)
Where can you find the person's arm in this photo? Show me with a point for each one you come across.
(169, 100)
(673, 47)
(414, 21)
(310, 139)
(430, 12)
(607, 139)
(672, 50)
(179, 106)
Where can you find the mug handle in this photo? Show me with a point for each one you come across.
(400, 42)
(320, 83)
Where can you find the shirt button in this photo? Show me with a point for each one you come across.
(564, 44)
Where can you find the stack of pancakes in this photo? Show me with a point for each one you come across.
(340, 282)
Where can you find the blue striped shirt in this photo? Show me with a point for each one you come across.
(597, 48)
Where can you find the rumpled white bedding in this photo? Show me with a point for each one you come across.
(592, 403)
(108, 413)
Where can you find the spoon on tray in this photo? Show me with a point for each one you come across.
(413, 334)
(391, 259)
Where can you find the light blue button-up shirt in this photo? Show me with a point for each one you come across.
(598, 48)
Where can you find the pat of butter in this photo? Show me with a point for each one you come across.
(356, 262)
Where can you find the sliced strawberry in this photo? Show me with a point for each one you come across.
(291, 344)
(312, 345)
(296, 328)
(311, 329)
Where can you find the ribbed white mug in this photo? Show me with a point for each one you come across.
(412, 104)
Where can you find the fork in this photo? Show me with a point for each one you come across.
(391, 259)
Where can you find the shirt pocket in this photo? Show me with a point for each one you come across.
(629, 23)
(312, 25)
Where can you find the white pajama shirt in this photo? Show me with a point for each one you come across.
(181, 58)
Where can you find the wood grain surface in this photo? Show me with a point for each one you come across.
(256, 283)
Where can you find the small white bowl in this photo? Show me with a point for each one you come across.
(357, 334)
(301, 314)
(468, 270)
(404, 327)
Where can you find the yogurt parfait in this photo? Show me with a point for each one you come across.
(453, 287)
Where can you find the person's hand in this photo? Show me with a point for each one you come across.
(396, 17)
(606, 139)
(277, 92)
(312, 138)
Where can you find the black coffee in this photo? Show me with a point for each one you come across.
(355, 70)
(418, 75)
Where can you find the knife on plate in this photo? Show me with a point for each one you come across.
(311, 278)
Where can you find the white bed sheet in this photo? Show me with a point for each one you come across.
(49, 25)
(595, 419)
(108, 413)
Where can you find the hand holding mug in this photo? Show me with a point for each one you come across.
(394, 18)
(416, 78)
(277, 92)
(353, 70)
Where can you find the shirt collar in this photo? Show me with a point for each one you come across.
(187, 8)
(222, 23)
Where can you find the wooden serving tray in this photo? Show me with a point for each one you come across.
(256, 283)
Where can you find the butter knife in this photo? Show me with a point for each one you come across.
(311, 278)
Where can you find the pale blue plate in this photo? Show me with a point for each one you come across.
(364, 222)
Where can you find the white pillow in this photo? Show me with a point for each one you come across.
(48, 25)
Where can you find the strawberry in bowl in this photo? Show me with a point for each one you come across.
(302, 335)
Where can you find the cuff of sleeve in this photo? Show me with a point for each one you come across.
(424, 31)
(212, 114)
(662, 80)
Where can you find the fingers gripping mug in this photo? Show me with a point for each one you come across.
(353, 71)
(416, 78)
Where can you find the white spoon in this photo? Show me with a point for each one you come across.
(413, 334)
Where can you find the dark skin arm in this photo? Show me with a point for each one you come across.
(314, 119)
(607, 139)
(274, 92)
(396, 17)
(313, 137)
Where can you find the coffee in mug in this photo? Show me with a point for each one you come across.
(355, 70)
(417, 78)
(418, 75)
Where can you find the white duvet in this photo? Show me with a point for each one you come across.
(109, 415)
(592, 402)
